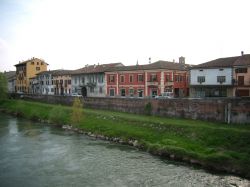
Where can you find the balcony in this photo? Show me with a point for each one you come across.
(169, 83)
(152, 83)
(91, 84)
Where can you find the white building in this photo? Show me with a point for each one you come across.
(90, 80)
(213, 78)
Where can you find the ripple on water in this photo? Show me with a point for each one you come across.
(44, 156)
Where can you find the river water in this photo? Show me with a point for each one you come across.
(35, 154)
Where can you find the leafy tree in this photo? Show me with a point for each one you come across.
(76, 111)
(3, 86)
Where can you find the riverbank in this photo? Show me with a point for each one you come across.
(214, 146)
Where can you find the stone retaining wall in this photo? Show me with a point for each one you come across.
(229, 110)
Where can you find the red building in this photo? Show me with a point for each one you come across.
(148, 80)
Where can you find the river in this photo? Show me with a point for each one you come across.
(35, 154)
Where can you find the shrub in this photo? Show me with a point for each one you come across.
(76, 115)
(148, 108)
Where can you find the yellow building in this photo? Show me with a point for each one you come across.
(26, 70)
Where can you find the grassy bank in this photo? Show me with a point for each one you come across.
(212, 145)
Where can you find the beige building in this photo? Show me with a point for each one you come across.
(241, 76)
(26, 70)
(62, 82)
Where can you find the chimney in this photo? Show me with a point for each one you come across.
(242, 53)
(182, 60)
(149, 60)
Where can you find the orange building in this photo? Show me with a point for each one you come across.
(26, 70)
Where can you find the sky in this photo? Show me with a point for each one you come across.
(69, 34)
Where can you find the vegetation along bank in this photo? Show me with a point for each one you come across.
(214, 146)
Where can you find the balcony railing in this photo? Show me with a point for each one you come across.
(91, 84)
(169, 83)
(152, 83)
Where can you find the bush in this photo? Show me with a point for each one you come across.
(148, 108)
(76, 115)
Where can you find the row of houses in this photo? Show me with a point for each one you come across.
(223, 77)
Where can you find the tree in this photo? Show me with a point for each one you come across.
(3, 86)
(76, 111)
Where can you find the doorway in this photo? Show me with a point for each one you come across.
(84, 91)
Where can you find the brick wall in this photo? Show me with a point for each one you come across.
(230, 110)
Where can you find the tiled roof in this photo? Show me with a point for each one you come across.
(243, 61)
(96, 68)
(56, 72)
(10, 74)
(156, 65)
(225, 62)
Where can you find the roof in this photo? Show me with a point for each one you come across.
(156, 65)
(243, 61)
(96, 68)
(225, 62)
(30, 60)
(56, 72)
(10, 74)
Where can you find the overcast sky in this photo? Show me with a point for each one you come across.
(69, 34)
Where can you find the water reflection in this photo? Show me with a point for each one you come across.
(33, 154)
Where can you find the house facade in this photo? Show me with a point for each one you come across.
(241, 76)
(148, 80)
(43, 83)
(223, 77)
(90, 81)
(11, 80)
(26, 70)
(61, 79)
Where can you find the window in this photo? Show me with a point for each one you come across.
(178, 78)
(122, 78)
(75, 80)
(41, 63)
(153, 77)
(83, 80)
(221, 69)
(201, 69)
(37, 63)
(100, 90)
(112, 92)
(32, 63)
(92, 89)
(201, 79)
(111, 78)
(131, 78)
(140, 78)
(140, 93)
(241, 70)
(240, 80)
(100, 79)
(168, 78)
(221, 79)
(69, 81)
(123, 92)
(52, 89)
(131, 92)
(37, 68)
